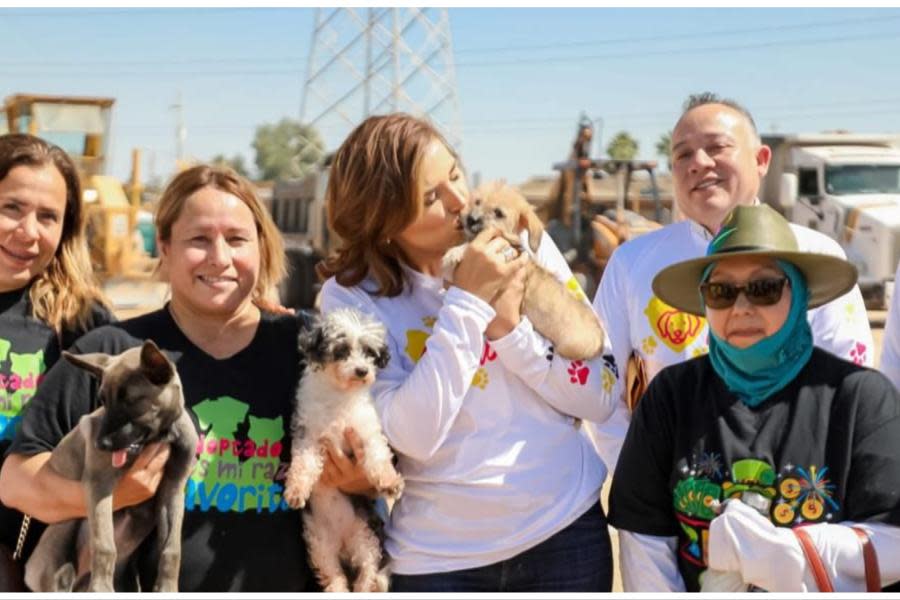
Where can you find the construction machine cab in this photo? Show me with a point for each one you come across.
(586, 225)
(80, 125)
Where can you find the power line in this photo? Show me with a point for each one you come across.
(674, 112)
(671, 51)
(300, 59)
(108, 12)
(657, 38)
(489, 63)
(161, 61)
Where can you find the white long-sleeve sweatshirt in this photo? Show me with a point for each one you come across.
(487, 433)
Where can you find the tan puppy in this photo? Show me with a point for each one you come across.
(570, 324)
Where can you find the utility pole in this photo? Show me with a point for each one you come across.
(180, 130)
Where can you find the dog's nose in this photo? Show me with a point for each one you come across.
(361, 372)
(474, 224)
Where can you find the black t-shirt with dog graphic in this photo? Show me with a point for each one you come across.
(28, 348)
(826, 448)
(239, 534)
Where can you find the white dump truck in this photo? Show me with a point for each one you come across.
(848, 187)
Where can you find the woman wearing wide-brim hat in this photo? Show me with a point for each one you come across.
(736, 460)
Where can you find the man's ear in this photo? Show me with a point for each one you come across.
(763, 158)
(94, 362)
(154, 364)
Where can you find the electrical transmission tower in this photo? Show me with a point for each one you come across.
(378, 60)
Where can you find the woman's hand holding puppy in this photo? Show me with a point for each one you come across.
(508, 302)
(484, 269)
(139, 483)
(343, 471)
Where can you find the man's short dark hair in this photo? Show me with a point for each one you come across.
(703, 98)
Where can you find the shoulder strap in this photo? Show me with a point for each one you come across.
(873, 572)
(823, 581)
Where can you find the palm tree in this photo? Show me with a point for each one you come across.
(664, 147)
(622, 147)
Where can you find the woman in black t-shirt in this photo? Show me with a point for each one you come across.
(730, 454)
(239, 367)
(48, 296)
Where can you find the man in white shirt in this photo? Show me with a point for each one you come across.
(718, 162)
(890, 349)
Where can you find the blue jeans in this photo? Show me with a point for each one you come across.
(576, 559)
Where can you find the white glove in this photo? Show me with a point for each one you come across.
(744, 542)
(722, 582)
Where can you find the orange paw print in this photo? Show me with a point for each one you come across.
(480, 379)
(700, 351)
(429, 322)
(649, 345)
(578, 372)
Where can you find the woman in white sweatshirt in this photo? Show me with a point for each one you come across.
(502, 483)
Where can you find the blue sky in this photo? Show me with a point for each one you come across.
(523, 75)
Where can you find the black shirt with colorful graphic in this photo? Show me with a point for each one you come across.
(28, 348)
(826, 448)
(239, 534)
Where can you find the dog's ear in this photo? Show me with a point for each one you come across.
(311, 343)
(529, 220)
(383, 357)
(94, 362)
(154, 364)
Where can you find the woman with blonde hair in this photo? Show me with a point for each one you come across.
(502, 483)
(238, 365)
(48, 296)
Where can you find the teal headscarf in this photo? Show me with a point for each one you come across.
(758, 371)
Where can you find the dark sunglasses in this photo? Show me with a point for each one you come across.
(760, 292)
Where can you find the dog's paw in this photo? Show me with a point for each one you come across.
(294, 496)
(369, 581)
(166, 587)
(338, 584)
(100, 586)
(297, 488)
(390, 486)
(452, 257)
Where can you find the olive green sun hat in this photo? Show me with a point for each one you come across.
(755, 231)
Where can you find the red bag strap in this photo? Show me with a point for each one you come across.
(823, 581)
(873, 572)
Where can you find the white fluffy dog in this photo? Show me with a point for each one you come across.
(343, 351)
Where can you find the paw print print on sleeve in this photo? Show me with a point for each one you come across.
(649, 345)
(858, 353)
(480, 380)
(608, 380)
(699, 351)
(854, 316)
(578, 372)
(488, 354)
(575, 289)
(549, 355)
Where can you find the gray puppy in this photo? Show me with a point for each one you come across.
(142, 403)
